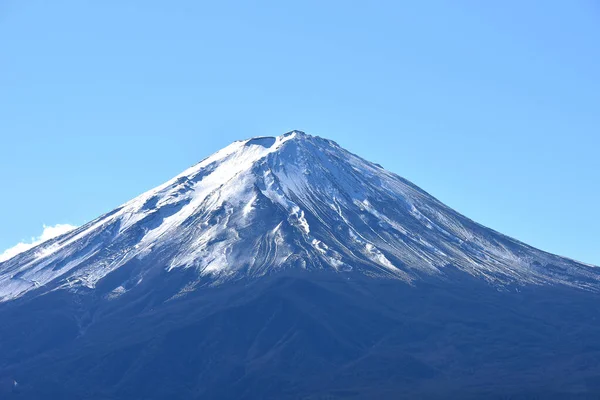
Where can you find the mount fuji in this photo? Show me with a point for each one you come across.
(288, 267)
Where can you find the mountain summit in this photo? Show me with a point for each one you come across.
(268, 204)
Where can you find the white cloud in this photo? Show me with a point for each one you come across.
(48, 233)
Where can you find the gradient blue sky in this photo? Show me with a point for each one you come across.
(492, 107)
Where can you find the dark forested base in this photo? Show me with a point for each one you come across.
(304, 335)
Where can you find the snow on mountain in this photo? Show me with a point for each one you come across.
(270, 203)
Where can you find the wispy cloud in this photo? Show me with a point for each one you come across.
(48, 233)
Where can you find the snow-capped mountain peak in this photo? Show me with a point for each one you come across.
(267, 204)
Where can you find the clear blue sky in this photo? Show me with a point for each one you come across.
(492, 107)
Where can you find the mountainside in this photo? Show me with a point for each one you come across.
(287, 267)
(266, 204)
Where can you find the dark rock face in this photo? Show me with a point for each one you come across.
(306, 335)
